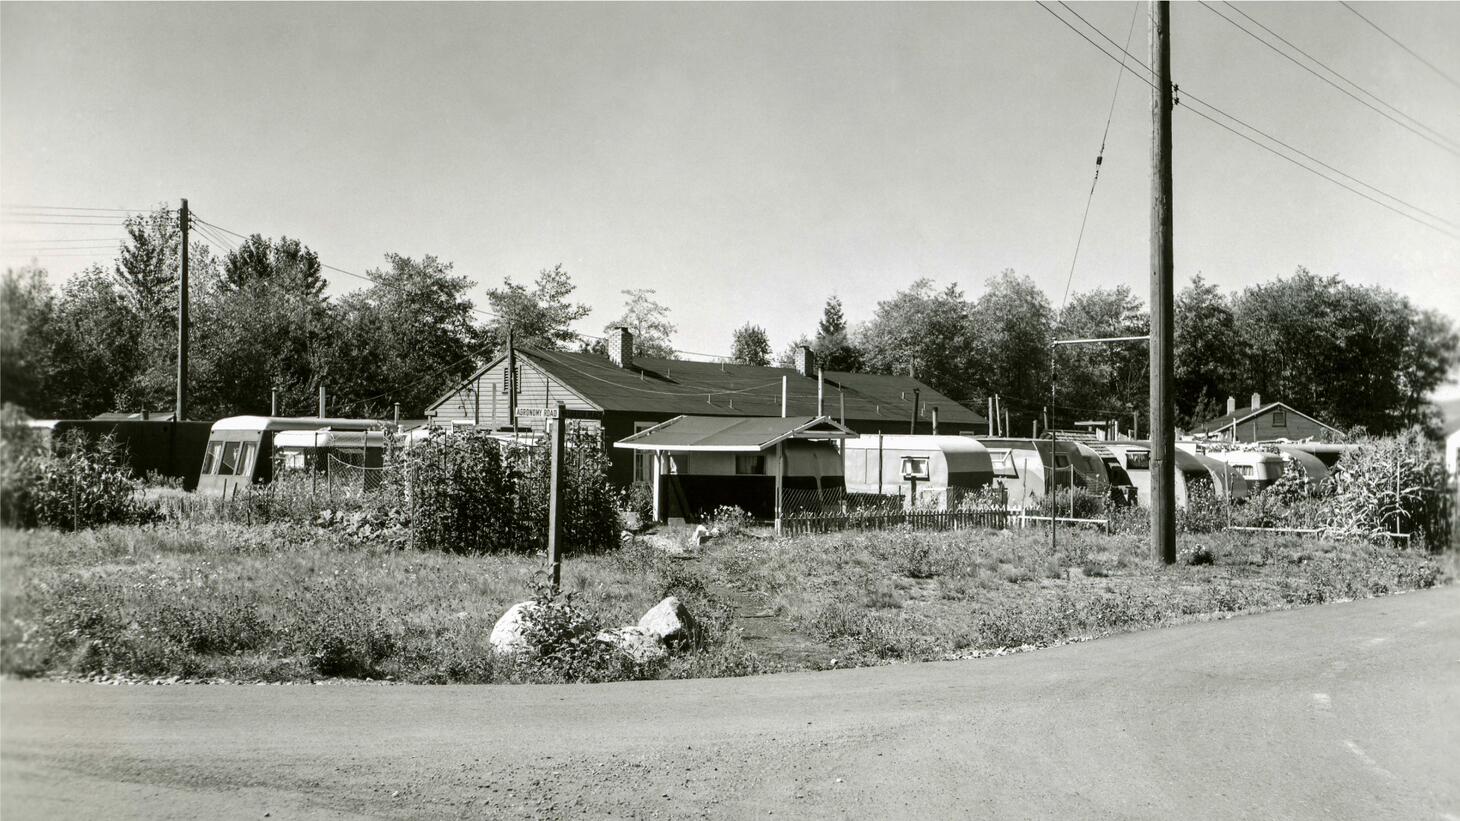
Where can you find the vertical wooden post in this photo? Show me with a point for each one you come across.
(780, 482)
(935, 420)
(1163, 431)
(991, 416)
(913, 423)
(655, 482)
(274, 402)
(321, 402)
(879, 463)
(783, 399)
(180, 411)
(555, 501)
(511, 384)
(820, 393)
(397, 416)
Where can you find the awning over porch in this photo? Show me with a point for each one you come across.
(733, 434)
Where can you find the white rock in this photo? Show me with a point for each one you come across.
(509, 633)
(639, 645)
(701, 535)
(668, 620)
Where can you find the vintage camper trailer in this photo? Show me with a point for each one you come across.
(1259, 468)
(312, 449)
(1023, 466)
(942, 468)
(240, 449)
(1135, 457)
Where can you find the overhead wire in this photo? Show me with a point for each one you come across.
(1436, 69)
(1438, 138)
(1099, 159)
(1189, 96)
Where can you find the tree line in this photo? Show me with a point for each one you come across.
(261, 322)
(1357, 357)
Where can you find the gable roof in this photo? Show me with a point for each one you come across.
(728, 389)
(732, 433)
(1228, 420)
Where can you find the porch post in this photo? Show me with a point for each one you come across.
(780, 481)
(658, 479)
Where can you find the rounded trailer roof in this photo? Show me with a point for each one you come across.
(908, 441)
(263, 423)
(326, 438)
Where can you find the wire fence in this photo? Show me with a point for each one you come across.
(827, 511)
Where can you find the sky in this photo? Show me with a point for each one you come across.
(746, 161)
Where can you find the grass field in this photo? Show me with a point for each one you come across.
(286, 602)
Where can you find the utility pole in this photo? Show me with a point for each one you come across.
(180, 409)
(511, 384)
(1163, 430)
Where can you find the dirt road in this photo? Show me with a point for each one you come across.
(1346, 711)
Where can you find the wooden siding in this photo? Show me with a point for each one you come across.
(536, 389)
(1261, 428)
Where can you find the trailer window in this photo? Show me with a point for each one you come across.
(245, 459)
(914, 467)
(1245, 471)
(1138, 460)
(1004, 464)
(228, 465)
(210, 458)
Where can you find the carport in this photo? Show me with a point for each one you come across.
(703, 461)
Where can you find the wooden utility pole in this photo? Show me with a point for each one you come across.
(511, 384)
(1163, 429)
(180, 409)
(555, 499)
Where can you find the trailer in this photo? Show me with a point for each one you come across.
(940, 468)
(240, 449)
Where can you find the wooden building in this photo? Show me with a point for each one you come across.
(624, 393)
(1264, 423)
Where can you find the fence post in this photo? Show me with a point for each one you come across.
(75, 514)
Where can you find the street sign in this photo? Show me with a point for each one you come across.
(537, 413)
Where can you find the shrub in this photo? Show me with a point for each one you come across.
(562, 644)
(1204, 512)
(729, 520)
(79, 485)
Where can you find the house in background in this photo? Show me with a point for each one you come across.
(1264, 423)
(624, 394)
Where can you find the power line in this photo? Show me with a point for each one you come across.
(1099, 158)
(1268, 148)
(16, 206)
(1436, 69)
(1439, 139)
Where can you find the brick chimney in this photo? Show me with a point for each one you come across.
(621, 347)
(806, 361)
(1256, 401)
(1231, 404)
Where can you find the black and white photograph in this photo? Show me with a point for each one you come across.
(1040, 409)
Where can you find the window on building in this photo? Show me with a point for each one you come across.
(1279, 419)
(643, 459)
(1004, 463)
(750, 464)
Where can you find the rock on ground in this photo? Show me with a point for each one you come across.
(669, 620)
(509, 633)
(636, 643)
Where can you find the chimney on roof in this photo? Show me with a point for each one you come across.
(1231, 404)
(1256, 401)
(805, 361)
(621, 346)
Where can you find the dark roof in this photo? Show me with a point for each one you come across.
(732, 433)
(1226, 420)
(727, 389)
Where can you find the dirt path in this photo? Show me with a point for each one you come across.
(1343, 710)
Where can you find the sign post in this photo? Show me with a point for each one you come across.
(556, 420)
